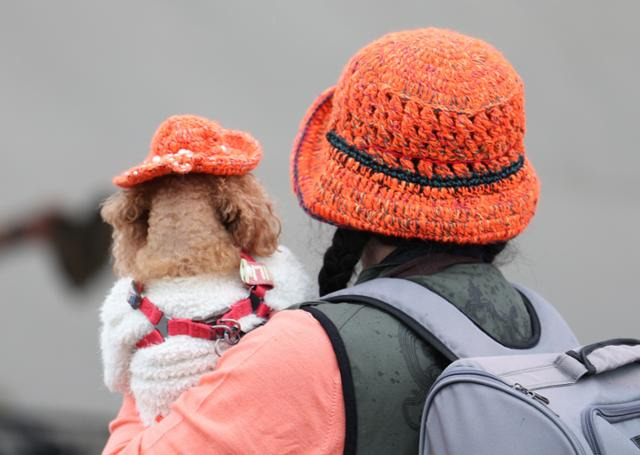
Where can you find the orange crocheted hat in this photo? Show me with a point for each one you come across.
(191, 144)
(422, 137)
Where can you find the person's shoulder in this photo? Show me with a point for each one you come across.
(281, 382)
(291, 336)
(349, 316)
(365, 329)
(293, 323)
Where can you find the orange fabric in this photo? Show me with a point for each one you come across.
(422, 137)
(188, 143)
(277, 392)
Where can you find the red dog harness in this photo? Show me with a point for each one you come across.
(253, 274)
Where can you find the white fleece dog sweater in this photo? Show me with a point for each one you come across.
(158, 374)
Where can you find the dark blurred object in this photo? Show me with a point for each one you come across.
(81, 244)
(21, 435)
(26, 438)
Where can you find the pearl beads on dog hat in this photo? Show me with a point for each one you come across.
(422, 137)
(191, 144)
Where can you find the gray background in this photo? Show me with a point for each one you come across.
(84, 84)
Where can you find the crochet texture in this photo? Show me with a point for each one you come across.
(186, 144)
(422, 137)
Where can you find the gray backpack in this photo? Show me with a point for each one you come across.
(553, 398)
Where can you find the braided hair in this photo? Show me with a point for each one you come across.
(341, 258)
(347, 246)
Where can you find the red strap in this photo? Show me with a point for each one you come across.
(247, 257)
(152, 312)
(244, 307)
(238, 310)
(154, 315)
(260, 291)
(263, 310)
(150, 339)
(182, 327)
(193, 329)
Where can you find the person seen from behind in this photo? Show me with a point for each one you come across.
(417, 157)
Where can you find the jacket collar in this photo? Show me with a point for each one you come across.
(413, 260)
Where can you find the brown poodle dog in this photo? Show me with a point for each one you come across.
(187, 225)
(179, 236)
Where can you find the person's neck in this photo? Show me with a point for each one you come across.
(374, 252)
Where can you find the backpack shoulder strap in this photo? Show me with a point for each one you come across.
(450, 331)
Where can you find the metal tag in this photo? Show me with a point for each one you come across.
(254, 274)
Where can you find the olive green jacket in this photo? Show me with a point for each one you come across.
(392, 369)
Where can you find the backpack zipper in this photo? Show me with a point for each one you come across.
(536, 396)
(539, 401)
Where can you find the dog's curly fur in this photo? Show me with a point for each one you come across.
(187, 225)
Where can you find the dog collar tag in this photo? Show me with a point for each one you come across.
(255, 274)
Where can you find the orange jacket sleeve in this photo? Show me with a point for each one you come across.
(277, 392)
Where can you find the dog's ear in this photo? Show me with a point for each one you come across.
(247, 213)
(127, 211)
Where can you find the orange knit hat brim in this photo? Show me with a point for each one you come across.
(335, 188)
(187, 144)
(195, 164)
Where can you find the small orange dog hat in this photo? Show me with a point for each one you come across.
(191, 144)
